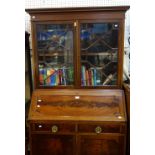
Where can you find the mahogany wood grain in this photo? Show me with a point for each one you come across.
(78, 9)
(86, 128)
(99, 105)
(52, 144)
(98, 145)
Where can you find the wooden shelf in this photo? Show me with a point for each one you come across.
(97, 53)
(82, 54)
(54, 54)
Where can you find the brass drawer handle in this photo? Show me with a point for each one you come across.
(54, 129)
(98, 129)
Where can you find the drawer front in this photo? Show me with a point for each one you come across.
(100, 128)
(54, 127)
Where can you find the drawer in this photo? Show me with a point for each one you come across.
(100, 128)
(54, 127)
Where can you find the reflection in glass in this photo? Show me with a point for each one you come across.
(99, 48)
(55, 54)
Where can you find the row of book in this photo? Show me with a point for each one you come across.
(91, 76)
(56, 76)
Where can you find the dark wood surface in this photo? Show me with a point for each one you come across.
(100, 145)
(77, 122)
(52, 144)
(91, 105)
(79, 138)
(77, 9)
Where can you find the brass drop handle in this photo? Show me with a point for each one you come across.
(98, 129)
(54, 129)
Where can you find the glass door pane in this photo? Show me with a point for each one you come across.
(99, 53)
(55, 54)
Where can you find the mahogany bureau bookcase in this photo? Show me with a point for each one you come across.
(78, 104)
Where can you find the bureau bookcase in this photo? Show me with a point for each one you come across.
(78, 104)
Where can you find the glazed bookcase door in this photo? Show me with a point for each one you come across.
(99, 53)
(45, 144)
(55, 54)
(102, 145)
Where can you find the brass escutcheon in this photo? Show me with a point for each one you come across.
(98, 129)
(54, 129)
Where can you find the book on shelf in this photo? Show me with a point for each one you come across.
(64, 76)
(91, 76)
(56, 76)
(41, 76)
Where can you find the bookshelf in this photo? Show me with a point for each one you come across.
(79, 53)
(78, 105)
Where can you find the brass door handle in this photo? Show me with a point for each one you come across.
(98, 129)
(54, 129)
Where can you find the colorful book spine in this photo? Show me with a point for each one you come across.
(98, 77)
(94, 76)
(57, 78)
(64, 76)
(41, 76)
(90, 77)
(52, 78)
(61, 76)
(84, 73)
(48, 80)
(87, 78)
(45, 75)
(82, 76)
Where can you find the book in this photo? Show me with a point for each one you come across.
(57, 78)
(94, 70)
(83, 76)
(98, 77)
(48, 80)
(64, 76)
(44, 76)
(53, 77)
(41, 76)
(59, 75)
(87, 78)
(92, 77)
